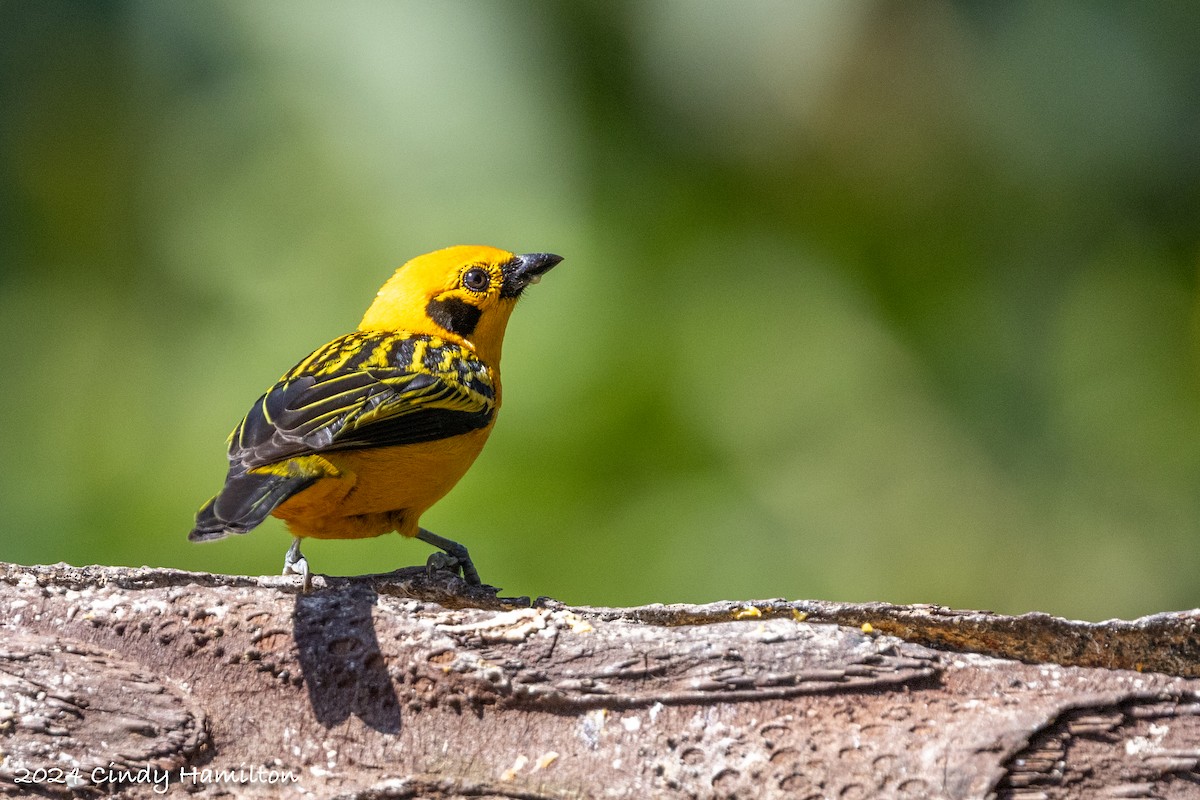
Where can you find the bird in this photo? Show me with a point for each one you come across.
(370, 430)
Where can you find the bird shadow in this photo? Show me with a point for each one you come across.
(344, 670)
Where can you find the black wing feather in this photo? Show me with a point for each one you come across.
(369, 408)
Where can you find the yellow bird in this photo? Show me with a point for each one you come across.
(366, 433)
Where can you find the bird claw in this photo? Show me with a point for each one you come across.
(453, 556)
(438, 562)
(294, 563)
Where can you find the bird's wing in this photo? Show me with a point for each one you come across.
(367, 390)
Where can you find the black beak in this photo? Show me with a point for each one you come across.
(524, 270)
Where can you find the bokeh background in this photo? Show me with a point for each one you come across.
(861, 300)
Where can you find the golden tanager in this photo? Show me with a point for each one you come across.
(370, 430)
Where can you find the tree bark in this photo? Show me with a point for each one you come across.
(128, 681)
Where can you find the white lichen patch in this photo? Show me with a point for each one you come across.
(507, 626)
(150, 605)
(217, 611)
(1140, 745)
(103, 606)
(591, 726)
(775, 630)
(517, 625)
(518, 765)
(572, 621)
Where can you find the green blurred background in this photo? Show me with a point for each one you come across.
(861, 300)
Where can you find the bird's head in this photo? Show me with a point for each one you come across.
(464, 293)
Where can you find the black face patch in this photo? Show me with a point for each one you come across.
(455, 315)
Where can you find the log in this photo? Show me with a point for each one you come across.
(413, 684)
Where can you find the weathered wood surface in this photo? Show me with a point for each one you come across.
(129, 681)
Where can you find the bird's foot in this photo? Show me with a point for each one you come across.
(453, 556)
(438, 562)
(294, 563)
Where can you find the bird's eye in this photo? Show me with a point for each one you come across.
(476, 279)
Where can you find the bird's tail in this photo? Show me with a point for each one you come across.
(246, 500)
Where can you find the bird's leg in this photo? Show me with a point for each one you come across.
(294, 563)
(453, 549)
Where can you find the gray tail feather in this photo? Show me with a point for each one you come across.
(246, 500)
